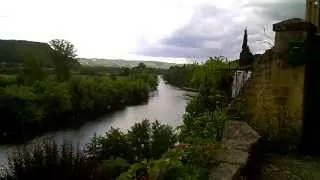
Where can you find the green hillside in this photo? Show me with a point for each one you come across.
(123, 63)
(16, 51)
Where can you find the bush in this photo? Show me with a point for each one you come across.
(144, 141)
(207, 127)
(115, 167)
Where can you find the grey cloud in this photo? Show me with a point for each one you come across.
(191, 41)
(224, 36)
(279, 10)
(175, 51)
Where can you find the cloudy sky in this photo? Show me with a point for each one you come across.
(165, 30)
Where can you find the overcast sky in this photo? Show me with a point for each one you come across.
(166, 30)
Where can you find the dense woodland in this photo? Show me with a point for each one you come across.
(37, 98)
(148, 150)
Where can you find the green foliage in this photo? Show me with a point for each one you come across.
(132, 172)
(115, 144)
(206, 127)
(212, 79)
(115, 167)
(63, 55)
(37, 105)
(32, 71)
(162, 138)
(142, 142)
(163, 167)
(196, 106)
(180, 75)
(48, 161)
(212, 72)
(139, 140)
(148, 147)
(204, 120)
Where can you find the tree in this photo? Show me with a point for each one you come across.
(63, 57)
(63, 47)
(141, 66)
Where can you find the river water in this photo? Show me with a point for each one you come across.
(166, 104)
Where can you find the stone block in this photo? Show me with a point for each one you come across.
(238, 135)
(224, 171)
(231, 156)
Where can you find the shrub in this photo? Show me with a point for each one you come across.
(144, 141)
(207, 127)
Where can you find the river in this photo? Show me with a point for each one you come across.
(166, 104)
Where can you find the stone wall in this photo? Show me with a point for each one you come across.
(237, 141)
(273, 101)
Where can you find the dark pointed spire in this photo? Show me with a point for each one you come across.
(246, 57)
(245, 39)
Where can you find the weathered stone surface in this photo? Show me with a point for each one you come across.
(291, 30)
(294, 24)
(238, 138)
(224, 171)
(231, 156)
(238, 135)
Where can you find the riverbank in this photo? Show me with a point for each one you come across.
(166, 104)
(31, 109)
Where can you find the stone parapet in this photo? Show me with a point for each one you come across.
(237, 141)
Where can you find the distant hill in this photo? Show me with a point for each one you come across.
(123, 63)
(16, 51)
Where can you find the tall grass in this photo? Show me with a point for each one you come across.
(50, 162)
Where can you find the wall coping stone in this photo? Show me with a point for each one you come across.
(294, 24)
(237, 141)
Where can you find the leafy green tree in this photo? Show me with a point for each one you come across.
(139, 140)
(162, 138)
(114, 145)
(141, 66)
(63, 57)
(180, 76)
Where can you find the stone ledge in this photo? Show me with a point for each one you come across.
(237, 141)
(239, 135)
(224, 171)
(231, 156)
(294, 24)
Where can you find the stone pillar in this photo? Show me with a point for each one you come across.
(312, 12)
(290, 30)
(303, 31)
